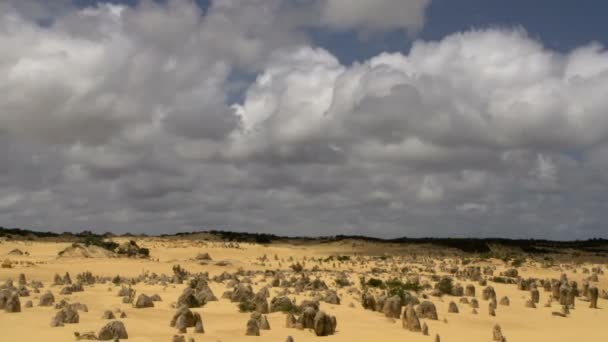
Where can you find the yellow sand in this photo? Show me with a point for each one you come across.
(223, 322)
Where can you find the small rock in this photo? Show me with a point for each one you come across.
(108, 314)
(143, 301)
(47, 299)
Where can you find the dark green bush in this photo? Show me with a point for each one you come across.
(343, 258)
(396, 287)
(246, 306)
(501, 280)
(297, 267)
(95, 240)
(517, 262)
(407, 286)
(342, 282)
(374, 282)
(445, 285)
(86, 278)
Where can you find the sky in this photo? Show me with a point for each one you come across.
(386, 118)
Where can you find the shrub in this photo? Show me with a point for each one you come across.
(342, 282)
(374, 282)
(517, 262)
(445, 285)
(297, 267)
(263, 238)
(246, 306)
(85, 278)
(95, 240)
(407, 286)
(396, 287)
(337, 257)
(500, 280)
(343, 258)
(180, 272)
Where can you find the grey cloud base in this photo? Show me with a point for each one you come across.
(117, 118)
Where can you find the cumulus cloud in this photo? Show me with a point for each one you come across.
(463, 91)
(120, 118)
(374, 16)
(493, 103)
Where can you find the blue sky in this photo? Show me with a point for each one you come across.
(561, 25)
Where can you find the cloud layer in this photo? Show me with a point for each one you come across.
(125, 119)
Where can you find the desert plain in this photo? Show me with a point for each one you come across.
(343, 290)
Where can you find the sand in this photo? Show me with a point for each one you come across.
(223, 322)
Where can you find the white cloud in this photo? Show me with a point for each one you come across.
(120, 118)
(460, 92)
(373, 16)
(478, 116)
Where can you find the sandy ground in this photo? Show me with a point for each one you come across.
(223, 322)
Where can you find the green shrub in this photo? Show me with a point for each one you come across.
(445, 285)
(297, 267)
(86, 278)
(342, 282)
(337, 257)
(485, 256)
(517, 262)
(246, 306)
(500, 280)
(396, 287)
(95, 240)
(375, 282)
(408, 286)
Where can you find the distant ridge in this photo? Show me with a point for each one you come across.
(468, 245)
